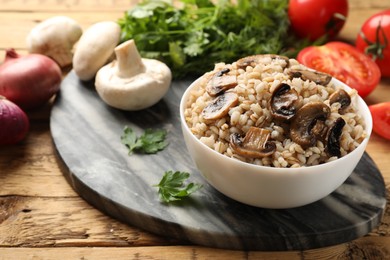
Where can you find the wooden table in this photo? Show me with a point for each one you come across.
(41, 217)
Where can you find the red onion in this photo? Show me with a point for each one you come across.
(14, 123)
(29, 81)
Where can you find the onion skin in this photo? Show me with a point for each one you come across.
(13, 121)
(29, 81)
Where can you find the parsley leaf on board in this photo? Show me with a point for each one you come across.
(172, 188)
(192, 38)
(150, 142)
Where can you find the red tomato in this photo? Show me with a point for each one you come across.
(374, 39)
(315, 18)
(381, 119)
(344, 62)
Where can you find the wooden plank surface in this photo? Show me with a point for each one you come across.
(41, 217)
(66, 6)
(120, 5)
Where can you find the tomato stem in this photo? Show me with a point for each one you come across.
(375, 49)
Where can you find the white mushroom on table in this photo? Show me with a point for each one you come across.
(95, 48)
(55, 38)
(131, 82)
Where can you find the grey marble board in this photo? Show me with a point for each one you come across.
(86, 133)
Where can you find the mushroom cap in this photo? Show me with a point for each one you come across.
(255, 144)
(284, 102)
(305, 121)
(55, 37)
(136, 93)
(315, 76)
(256, 59)
(220, 106)
(333, 137)
(220, 82)
(95, 47)
(340, 96)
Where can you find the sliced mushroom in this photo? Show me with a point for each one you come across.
(284, 102)
(318, 77)
(333, 138)
(256, 59)
(255, 144)
(220, 82)
(341, 96)
(220, 106)
(319, 130)
(306, 121)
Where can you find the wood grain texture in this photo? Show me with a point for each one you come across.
(31, 178)
(65, 6)
(371, 248)
(64, 221)
(22, 23)
(120, 5)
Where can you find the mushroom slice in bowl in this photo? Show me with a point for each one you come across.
(284, 102)
(341, 96)
(219, 107)
(255, 144)
(305, 126)
(318, 77)
(257, 59)
(221, 82)
(333, 137)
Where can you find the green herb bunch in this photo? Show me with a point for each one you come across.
(193, 35)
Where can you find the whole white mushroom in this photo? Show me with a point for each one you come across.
(55, 38)
(131, 82)
(95, 48)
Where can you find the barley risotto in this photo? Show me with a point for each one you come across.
(271, 110)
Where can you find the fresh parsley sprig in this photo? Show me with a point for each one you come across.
(150, 142)
(172, 187)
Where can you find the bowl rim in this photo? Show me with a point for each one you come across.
(362, 106)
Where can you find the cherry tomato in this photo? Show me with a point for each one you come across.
(374, 39)
(344, 62)
(381, 119)
(315, 18)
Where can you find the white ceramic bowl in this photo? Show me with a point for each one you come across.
(271, 187)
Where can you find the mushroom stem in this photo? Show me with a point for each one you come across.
(129, 61)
